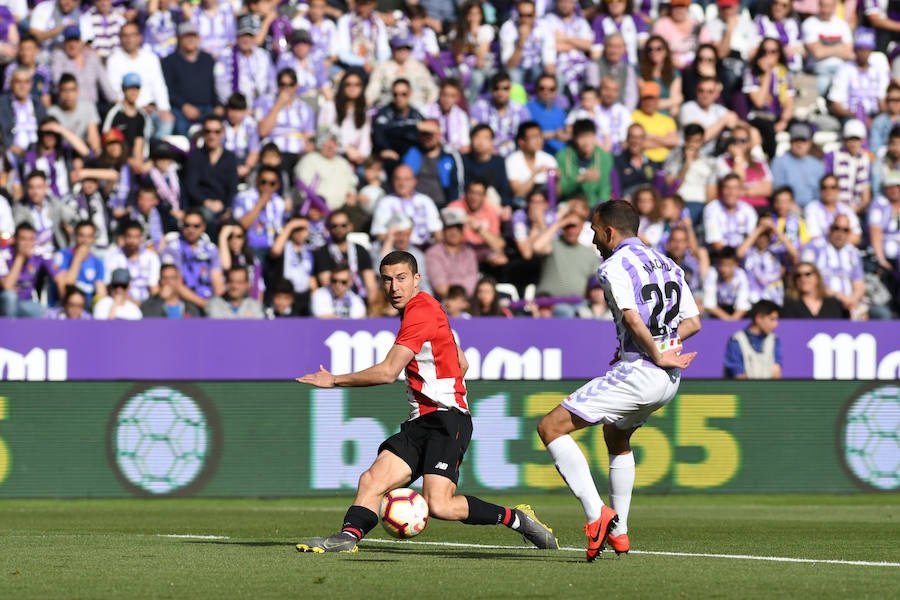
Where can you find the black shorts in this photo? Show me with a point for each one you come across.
(433, 444)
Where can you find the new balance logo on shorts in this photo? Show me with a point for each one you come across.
(441, 465)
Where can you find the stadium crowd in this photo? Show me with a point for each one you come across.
(255, 159)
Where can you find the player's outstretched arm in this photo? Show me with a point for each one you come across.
(386, 371)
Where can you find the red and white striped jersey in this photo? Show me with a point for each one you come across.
(433, 377)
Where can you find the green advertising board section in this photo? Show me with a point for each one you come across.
(115, 439)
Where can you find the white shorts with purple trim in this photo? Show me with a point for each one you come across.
(626, 395)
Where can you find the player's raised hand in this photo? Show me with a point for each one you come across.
(321, 378)
(671, 359)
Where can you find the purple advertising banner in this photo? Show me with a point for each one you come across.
(496, 348)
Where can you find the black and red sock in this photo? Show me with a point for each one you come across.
(359, 521)
(485, 513)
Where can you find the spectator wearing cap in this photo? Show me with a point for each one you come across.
(244, 68)
(236, 302)
(840, 264)
(286, 120)
(828, 41)
(140, 262)
(860, 86)
(527, 48)
(126, 117)
(419, 207)
(613, 64)
(210, 180)
(327, 172)
(660, 130)
(401, 65)
(216, 25)
(337, 300)
(312, 75)
(852, 166)
(706, 111)
(75, 58)
(438, 168)
(398, 238)
(884, 224)
(102, 22)
(883, 125)
(161, 25)
(584, 166)
(502, 114)
(884, 17)
(50, 18)
(76, 115)
(241, 134)
(821, 213)
(20, 113)
(396, 127)
(797, 168)
(453, 120)
(153, 98)
(735, 37)
(189, 74)
(452, 261)
(362, 39)
(39, 74)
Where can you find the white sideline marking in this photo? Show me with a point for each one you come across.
(855, 563)
(189, 536)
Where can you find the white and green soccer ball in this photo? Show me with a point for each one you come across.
(161, 440)
(871, 437)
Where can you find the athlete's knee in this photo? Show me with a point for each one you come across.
(617, 440)
(369, 484)
(549, 429)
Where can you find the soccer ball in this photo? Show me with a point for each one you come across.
(404, 513)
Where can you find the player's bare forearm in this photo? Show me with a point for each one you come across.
(463, 362)
(689, 327)
(641, 335)
(386, 371)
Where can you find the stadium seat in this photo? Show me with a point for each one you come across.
(508, 289)
(360, 237)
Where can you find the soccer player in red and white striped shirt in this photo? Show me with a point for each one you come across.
(433, 441)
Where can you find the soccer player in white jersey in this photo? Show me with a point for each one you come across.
(433, 441)
(654, 311)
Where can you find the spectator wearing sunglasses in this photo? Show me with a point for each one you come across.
(261, 210)
(337, 300)
(840, 264)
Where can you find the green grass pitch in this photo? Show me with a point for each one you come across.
(120, 549)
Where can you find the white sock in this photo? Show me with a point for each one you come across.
(573, 466)
(621, 484)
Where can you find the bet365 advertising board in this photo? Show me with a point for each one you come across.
(118, 439)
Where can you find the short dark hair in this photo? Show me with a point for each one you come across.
(476, 180)
(398, 81)
(400, 257)
(36, 174)
(212, 117)
(499, 78)
(692, 129)
(147, 187)
(287, 72)
(582, 126)
(131, 224)
(236, 101)
(237, 269)
(783, 189)
(895, 131)
(729, 177)
(66, 78)
(25, 226)
(479, 128)
(283, 286)
(456, 290)
(522, 131)
(620, 215)
(726, 253)
(84, 223)
(763, 308)
(338, 212)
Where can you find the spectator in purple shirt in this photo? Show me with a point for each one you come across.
(198, 261)
(840, 264)
(20, 268)
(502, 114)
(286, 120)
(261, 211)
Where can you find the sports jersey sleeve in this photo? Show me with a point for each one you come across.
(621, 288)
(418, 326)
